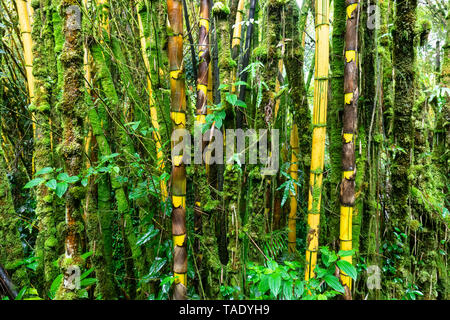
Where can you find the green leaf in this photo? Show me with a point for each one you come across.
(264, 284)
(61, 188)
(320, 272)
(33, 183)
(109, 157)
(275, 283)
(86, 273)
(63, 176)
(347, 268)
(87, 282)
(345, 253)
(83, 294)
(240, 83)
(287, 290)
(241, 104)
(21, 293)
(334, 283)
(51, 184)
(84, 182)
(299, 288)
(55, 285)
(147, 236)
(44, 171)
(157, 265)
(86, 255)
(231, 98)
(73, 179)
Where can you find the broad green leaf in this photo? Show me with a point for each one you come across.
(299, 288)
(51, 184)
(63, 176)
(84, 182)
(264, 284)
(347, 268)
(275, 283)
(61, 188)
(73, 179)
(334, 283)
(44, 171)
(231, 98)
(287, 290)
(345, 253)
(33, 183)
(241, 104)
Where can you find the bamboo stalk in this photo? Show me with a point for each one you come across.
(348, 134)
(201, 110)
(153, 112)
(319, 133)
(293, 172)
(25, 31)
(178, 116)
(236, 41)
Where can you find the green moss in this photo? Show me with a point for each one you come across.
(220, 9)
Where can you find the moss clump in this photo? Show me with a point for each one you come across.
(220, 9)
(50, 243)
(260, 52)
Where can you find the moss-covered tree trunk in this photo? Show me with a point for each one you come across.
(294, 62)
(48, 243)
(405, 83)
(11, 255)
(334, 116)
(71, 148)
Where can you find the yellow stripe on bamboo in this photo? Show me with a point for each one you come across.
(180, 278)
(348, 137)
(348, 98)
(205, 23)
(350, 9)
(179, 240)
(179, 201)
(350, 55)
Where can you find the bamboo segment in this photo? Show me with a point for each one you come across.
(293, 171)
(201, 108)
(319, 133)
(25, 30)
(153, 112)
(236, 41)
(178, 116)
(348, 134)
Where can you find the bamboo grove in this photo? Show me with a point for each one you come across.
(348, 201)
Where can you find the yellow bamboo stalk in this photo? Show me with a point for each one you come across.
(293, 172)
(25, 31)
(319, 133)
(153, 111)
(236, 40)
